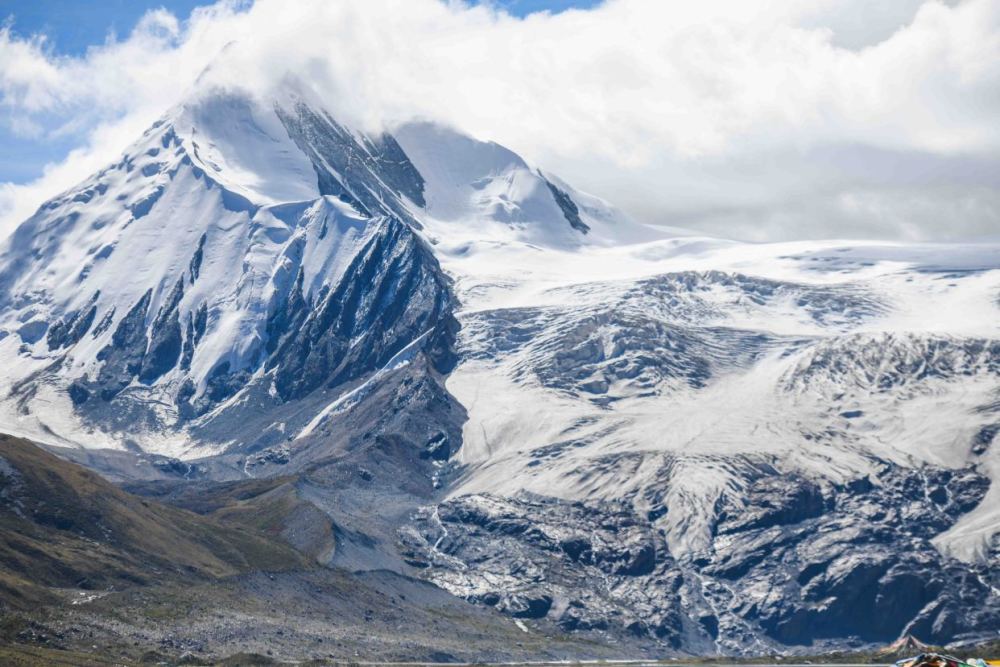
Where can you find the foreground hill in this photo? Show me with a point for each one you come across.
(91, 574)
(65, 532)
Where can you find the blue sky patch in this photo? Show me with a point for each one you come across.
(71, 27)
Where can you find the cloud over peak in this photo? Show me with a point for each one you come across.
(785, 120)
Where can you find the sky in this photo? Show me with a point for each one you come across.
(750, 119)
(70, 27)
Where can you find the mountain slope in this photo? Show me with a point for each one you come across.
(231, 297)
(65, 527)
(484, 377)
(796, 462)
(91, 574)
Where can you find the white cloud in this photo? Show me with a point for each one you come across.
(757, 120)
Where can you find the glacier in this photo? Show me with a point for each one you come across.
(506, 386)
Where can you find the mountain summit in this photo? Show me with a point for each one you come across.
(245, 253)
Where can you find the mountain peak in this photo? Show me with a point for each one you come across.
(240, 141)
(183, 272)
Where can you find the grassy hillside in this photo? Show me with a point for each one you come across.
(65, 527)
(272, 507)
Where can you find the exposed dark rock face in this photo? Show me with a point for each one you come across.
(195, 267)
(984, 439)
(793, 562)
(771, 501)
(71, 329)
(222, 382)
(137, 351)
(369, 174)
(123, 357)
(392, 294)
(567, 206)
(865, 567)
(33, 331)
(165, 339)
(585, 566)
(196, 324)
(288, 315)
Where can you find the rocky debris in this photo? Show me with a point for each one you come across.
(321, 616)
(584, 566)
(793, 561)
(280, 455)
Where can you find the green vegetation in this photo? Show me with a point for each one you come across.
(270, 507)
(65, 527)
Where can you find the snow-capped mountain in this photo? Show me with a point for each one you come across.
(551, 409)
